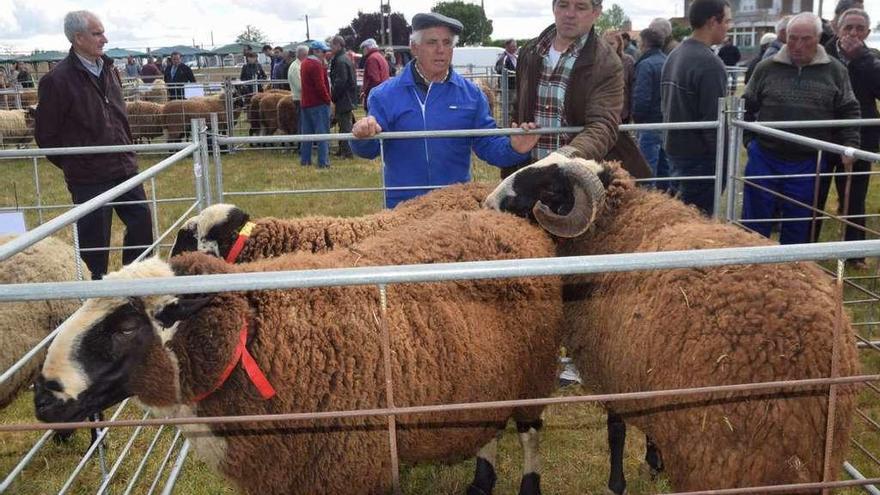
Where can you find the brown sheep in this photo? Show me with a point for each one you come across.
(216, 229)
(177, 114)
(288, 116)
(269, 111)
(488, 92)
(145, 120)
(254, 117)
(670, 329)
(451, 342)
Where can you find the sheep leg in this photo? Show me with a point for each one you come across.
(616, 443)
(528, 439)
(653, 457)
(484, 477)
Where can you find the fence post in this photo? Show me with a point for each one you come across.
(38, 191)
(719, 156)
(735, 138)
(505, 98)
(228, 87)
(206, 168)
(218, 160)
(197, 165)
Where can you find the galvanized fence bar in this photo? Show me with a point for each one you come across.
(41, 232)
(205, 160)
(7, 482)
(743, 388)
(442, 271)
(141, 465)
(161, 468)
(719, 157)
(218, 160)
(806, 141)
(177, 468)
(91, 150)
(121, 457)
(855, 474)
(735, 133)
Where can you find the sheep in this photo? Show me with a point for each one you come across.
(26, 323)
(488, 92)
(177, 114)
(145, 119)
(655, 330)
(288, 117)
(16, 126)
(255, 118)
(269, 111)
(216, 229)
(319, 348)
(158, 92)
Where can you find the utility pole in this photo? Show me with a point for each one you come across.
(385, 9)
(308, 36)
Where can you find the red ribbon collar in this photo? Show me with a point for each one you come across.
(250, 367)
(243, 236)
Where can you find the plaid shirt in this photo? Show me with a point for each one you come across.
(552, 84)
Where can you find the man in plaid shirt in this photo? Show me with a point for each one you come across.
(568, 76)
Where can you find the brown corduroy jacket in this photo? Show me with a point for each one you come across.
(593, 99)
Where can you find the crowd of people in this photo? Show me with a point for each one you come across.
(569, 75)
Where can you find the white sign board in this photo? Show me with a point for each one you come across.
(12, 222)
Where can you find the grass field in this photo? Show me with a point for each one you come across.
(574, 440)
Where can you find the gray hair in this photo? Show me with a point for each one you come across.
(595, 3)
(77, 22)
(782, 24)
(369, 43)
(302, 49)
(854, 12)
(808, 17)
(416, 38)
(662, 26)
(339, 40)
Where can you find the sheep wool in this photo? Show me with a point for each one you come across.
(669, 329)
(452, 342)
(273, 237)
(144, 119)
(177, 114)
(16, 127)
(288, 120)
(269, 111)
(25, 323)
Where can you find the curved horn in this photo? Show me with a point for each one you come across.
(589, 196)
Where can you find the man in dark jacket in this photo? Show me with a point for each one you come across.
(692, 81)
(570, 51)
(646, 102)
(343, 91)
(251, 71)
(863, 65)
(801, 82)
(175, 75)
(81, 105)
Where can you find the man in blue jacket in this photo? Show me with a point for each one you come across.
(428, 95)
(646, 102)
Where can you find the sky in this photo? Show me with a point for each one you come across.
(26, 25)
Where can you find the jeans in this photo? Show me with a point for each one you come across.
(760, 204)
(651, 146)
(94, 228)
(315, 120)
(700, 193)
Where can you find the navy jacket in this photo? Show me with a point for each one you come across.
(399, 105)
(183, 74)
(646, 87)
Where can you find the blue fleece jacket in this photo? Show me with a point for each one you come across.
(646, 88)
(399, 105)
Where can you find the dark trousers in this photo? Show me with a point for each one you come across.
(858, 190)
(344, 119)
(700, 193)
(94, 228)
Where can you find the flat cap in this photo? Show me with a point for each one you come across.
(432, 19)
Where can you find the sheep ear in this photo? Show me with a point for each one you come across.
(32, 111)
(238, 217)
(182, 309)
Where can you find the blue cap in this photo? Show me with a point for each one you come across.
(319, 45)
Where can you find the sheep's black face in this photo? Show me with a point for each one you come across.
(519, 192)
(186, 240)
(89, 364)
(218, 229)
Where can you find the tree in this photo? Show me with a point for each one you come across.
(367, 25)
(477, 28)
(611, 19)
(252, 35)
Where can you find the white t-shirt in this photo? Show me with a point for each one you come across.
(554, 55)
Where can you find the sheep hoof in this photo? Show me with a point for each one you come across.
(530, 484)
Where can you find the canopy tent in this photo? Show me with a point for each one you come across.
(47, 56)
(234, 49)
(183, 49)
(123, 53)
(8, 59)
